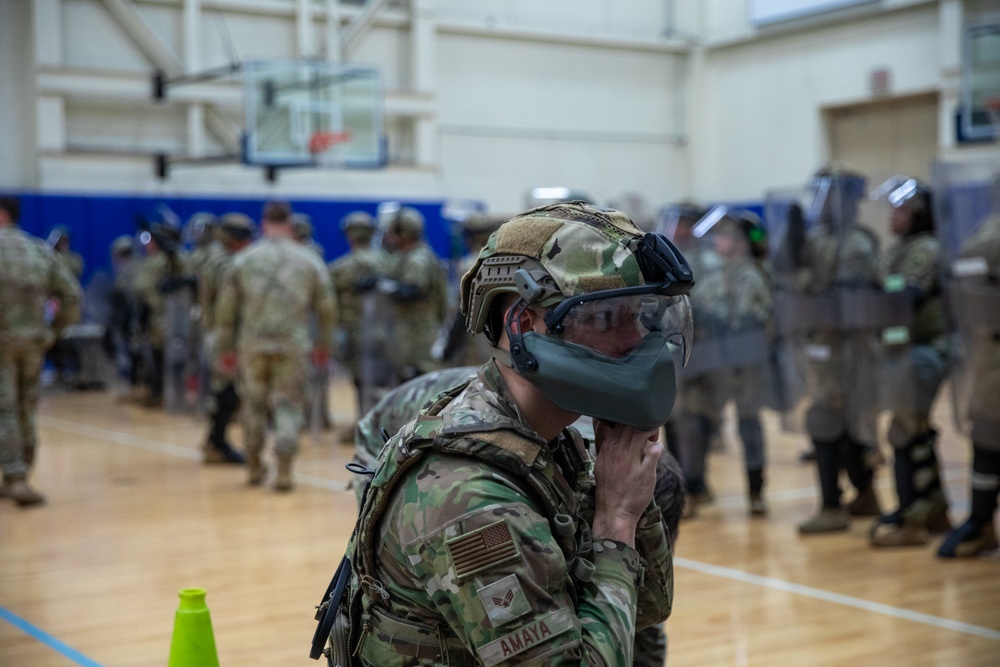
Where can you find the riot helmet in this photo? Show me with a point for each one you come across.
(834, 195)
(407, 222)
(615, 306)
(302, 227)
(358, 226)
(910, 203)
(235, 228)
(675, 221)
(200, 229)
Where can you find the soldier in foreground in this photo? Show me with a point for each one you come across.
(488, 535)
(405, 402)
(30, 274)
(262, 323)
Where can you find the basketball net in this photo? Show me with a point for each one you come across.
(329, 148)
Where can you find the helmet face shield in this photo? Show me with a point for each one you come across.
(616, 325)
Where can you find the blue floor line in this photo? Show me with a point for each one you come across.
(47, 639)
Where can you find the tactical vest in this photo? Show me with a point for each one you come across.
(360, 610)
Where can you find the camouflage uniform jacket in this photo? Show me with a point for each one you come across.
(270, 291)
(917, 259)
(30, 273)
(418, 320)
(151, 273)
(346, 271)
(473, 547)
(210, 273)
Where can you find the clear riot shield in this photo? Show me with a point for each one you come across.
(732, 306)
(177, 349)
(829, 310)
(967, 206)
(375, 349)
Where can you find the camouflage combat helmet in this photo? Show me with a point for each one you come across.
(599, 258)
(122, 245)
(235, 227)
(573, 259)
(407, 222)
(302, 227)
(358, 225)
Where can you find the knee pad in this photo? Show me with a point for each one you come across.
(824, 423)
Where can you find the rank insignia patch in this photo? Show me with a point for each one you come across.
(482, 549)
(504, 600)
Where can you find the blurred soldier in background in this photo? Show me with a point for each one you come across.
(63, 355)
(417, 285)
(59, 240)
(832, 327)
(969, 227)
(730, 362)
(696, 418)
(201, 233)
(262, 322)
(235, 232)
(354, 276)
(316, 410)
(123, 328)
(303, 230)
(915, 363)
(163, 287)
(31, 276)
(460, 347)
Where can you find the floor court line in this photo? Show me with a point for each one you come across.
(836, 598)
(47, 639)
(705, 568)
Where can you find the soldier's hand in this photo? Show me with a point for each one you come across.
(228, 362)
(363, 285)
(625, 474)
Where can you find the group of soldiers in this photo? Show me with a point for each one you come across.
(254, 324)
(802, 313)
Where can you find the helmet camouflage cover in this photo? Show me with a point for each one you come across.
(569, 249)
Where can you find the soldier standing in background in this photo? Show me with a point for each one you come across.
(915, 365)
(354, 275)
(201, 232)
(418, 287)
(59, 240)
(160, 277)
(262, 322)
(303, 230)
(840, 358)
(735, 309)
(974, 300)
(459, 346)
(235, 232)
(31, 275)
(124, 323)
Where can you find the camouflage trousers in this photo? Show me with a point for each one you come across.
(273, 384)
(650, 647)
(20, 368)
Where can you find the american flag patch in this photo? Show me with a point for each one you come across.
(482, 548)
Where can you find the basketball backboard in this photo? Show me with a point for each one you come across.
(313, 113)
(980, 80)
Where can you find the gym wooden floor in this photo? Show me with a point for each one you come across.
(92, 577)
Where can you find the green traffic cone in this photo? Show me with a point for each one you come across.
(193, 644)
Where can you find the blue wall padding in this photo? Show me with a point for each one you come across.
(95, 220)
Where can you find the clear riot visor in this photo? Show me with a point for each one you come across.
(616, 325)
